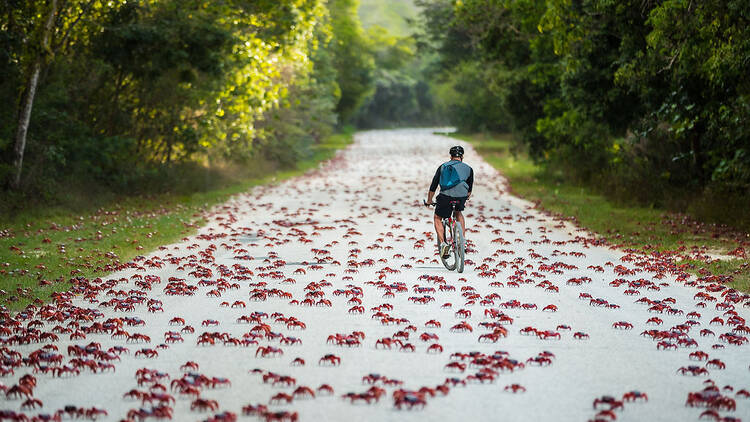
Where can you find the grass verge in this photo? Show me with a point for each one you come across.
(41, 249)
(706, 248)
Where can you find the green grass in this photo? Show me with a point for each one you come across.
(626, 225)
(42, 248)
(737, 268)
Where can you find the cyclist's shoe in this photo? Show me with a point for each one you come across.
(445, 250)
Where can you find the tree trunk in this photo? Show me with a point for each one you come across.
(24, 117)
(23, 122)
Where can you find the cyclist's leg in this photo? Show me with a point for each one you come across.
(439, 228)
(460, 217)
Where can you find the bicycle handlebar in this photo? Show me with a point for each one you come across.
(429, 205)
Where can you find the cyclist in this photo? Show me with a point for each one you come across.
(459, 193)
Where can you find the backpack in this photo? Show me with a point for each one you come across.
(449, 177)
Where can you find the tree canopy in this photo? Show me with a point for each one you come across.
(615, 93)
(124, 88)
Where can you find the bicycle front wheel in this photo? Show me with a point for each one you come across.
(459, 248)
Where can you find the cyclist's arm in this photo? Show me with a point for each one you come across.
(433, 186)
(470, 182)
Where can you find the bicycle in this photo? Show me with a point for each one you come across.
(454, 236)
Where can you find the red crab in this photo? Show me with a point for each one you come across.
(515, 388)
(330, 359)
(634, 396)
(204, 404)
(693, 370)
(435, 348)
(622, 325)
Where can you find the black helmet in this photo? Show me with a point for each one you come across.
(457, 151)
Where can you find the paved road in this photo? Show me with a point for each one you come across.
(355, 225)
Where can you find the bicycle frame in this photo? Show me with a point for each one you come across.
(449, 223)
(452, 227)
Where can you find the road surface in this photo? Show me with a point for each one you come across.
(354, 231)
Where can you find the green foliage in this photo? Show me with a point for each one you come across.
(167, 60)
(351, 56)
(390, 52)
(466, 98)
(396, 16)
(494, 69)
(616, 94)
(133, 91)
(394, 102)
(399, 96)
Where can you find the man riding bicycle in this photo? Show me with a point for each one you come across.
(456, 180)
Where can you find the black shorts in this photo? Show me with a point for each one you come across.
(443, 207)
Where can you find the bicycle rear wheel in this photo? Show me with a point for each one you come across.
(450, 261)
(459, 251)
